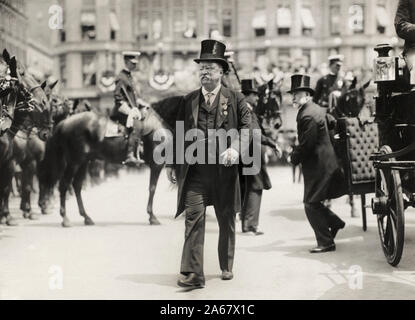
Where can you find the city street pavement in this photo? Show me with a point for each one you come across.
(123, 257)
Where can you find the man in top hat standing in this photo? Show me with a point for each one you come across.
(212, 107)
(254, 184)
(316, 154)
(329, 83)
(127, 105)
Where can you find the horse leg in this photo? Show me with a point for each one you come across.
(8, 172)
(155, 170)
(63, 188)
(28, 170)
(78, 180)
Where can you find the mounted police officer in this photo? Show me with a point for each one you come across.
(254, 184)
(127, 105)
(212, 107)
(320, 167)
(329, 83)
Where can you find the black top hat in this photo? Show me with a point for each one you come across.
(213, 51)
(248, 86)
(300, 82)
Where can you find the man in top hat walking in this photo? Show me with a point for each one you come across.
(316, 154)
(127, 106)
(253, 185)
(329, 83)
(212, 107)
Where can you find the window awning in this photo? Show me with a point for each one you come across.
(307, 18)
(88, 19)
(260, 20)
(284, 18)
(382, 16)
(115, 26)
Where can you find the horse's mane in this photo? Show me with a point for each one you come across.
(167, 109)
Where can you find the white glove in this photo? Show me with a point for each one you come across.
(229, 157)
(133, 115)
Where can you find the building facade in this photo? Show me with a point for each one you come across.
(304, 33)
(13, 27)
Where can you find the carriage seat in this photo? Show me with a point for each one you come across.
(358, 141)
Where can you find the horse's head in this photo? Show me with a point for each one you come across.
(352, 99)
(268, 108)
(60, 106)
(40, 111)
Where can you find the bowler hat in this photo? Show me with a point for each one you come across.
(248, 86)
(300, 82)
(213, 51)
(132, 56)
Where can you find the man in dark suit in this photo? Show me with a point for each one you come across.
(253, 185)
(405, 29)
(330, 82)
(127, 106)
(212, 107)
(320, 167)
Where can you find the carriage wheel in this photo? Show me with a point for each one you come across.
(391, 220)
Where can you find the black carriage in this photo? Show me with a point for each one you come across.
(394, 163)
(356, 141)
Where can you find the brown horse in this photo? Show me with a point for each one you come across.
(26, 105)
(81, 138)
(29, 150)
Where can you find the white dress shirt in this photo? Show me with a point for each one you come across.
(213, 94)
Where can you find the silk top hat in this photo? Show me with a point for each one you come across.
(247, 86)
(213, 51)
(132, 56)
(300, 82)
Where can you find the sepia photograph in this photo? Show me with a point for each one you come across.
(231, 151)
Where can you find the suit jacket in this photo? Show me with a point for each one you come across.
(227, 195)
(124, 79)
(260, 181)
(316, 154)
(405, 22)
(325, 85)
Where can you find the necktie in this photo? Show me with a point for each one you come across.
(208, 95)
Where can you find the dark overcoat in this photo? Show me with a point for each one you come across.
(316, 154)
(124, 86)
(405, 22)
(260, 181)
(232, 113)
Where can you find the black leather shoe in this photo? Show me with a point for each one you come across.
(321, 249)
(132, 160)
(192, 280)
(227, 275)
(336, 229)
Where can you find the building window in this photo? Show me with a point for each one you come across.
(89, 69)
(382, 17)
(356, 18)
(157, 25)
(306, 58)
(142, 25)
(213, 22)
(88, 22)
(62, 70)
(307, 21)
(284, 53)
(178, 23)
(284, 20)
(114, 25)
(191, 25)
(227, 22)
(335, 19)
(259, 23)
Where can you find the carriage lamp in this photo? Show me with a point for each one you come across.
(385, 67)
